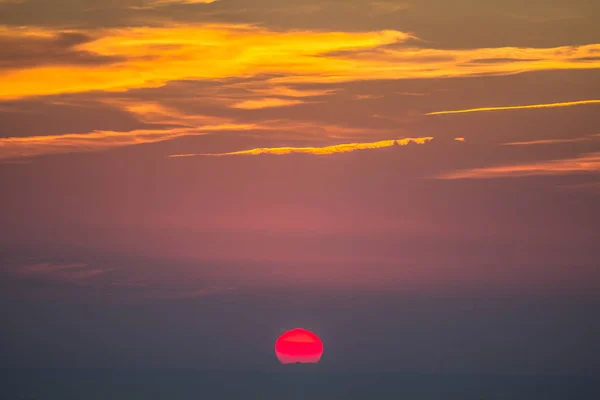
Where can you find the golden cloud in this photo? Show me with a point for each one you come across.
(521, 107)
(31, 146)
(587, 163)
(151, 56)
(326, 150)
(256, 104)
(163, 3)
(14, 149)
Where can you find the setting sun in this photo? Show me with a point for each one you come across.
(298, 346)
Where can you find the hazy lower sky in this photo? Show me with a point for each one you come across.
(415, 181)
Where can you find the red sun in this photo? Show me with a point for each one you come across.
(298, 346)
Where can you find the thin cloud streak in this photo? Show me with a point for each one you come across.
(523, 107)
(23, 147)
(548, 141)
(326, 150)
(586, 163)
(71, 273)
(266, 103)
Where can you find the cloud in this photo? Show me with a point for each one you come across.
(367, 97)
(129, 284)
(256, 104)
(282, 90)
(387, 7)
(551, 14)
(411, 94)
(158, 55)
(499, 60)
(72, 273)
(326, 150)
(586, 163)
(171, 124)
(189, 293)
(27, 48)
(593, 187)
(146, 57)
(153, 4)
(521, 107)
(167, 2)
(99, 140)
(548, 141)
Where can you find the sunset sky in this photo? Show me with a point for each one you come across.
(184, 180)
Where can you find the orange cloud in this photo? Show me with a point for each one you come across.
(285, 91)
(143, 57)
(15, 149)
(548, 141)
(31, 146)
(587, 163)
(149, 4)
(256, 104)
(523, 107)
(326, 150)
(167, 2)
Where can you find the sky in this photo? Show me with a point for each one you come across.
(417, 182)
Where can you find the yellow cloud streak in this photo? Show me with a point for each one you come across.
(524, 107)
(586, 163)
(256, 104)
(327, 150)
(162, 3)
(166, 2)
(31, 146)
(152, 56)
(14, 148)
(548, 141)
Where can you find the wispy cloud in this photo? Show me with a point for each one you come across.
(519, 107)
(184, 293)
(593, 187)
(256, 104)
(549, 141)
(72, 273)
(22, 147)
(551, 14)
(586, 163)
(163, 3)
(326, 150)
(367, 97)
(412, 93)
(284, 91)
(14, 148)
(387, 7)
(129, 284)
(157, 2)
(147, 57)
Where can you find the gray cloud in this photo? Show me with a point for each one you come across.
(34, 51)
